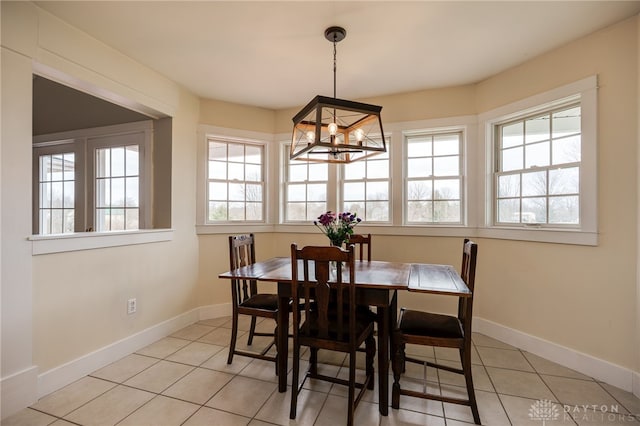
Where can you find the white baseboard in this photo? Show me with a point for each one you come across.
(65, 374)
(18, 391)
(591, 366)
(215, 311)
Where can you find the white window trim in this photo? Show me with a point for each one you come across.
(467, 125)
(331, 184)
(586, 91)
(56, 147)
(92, 144)
(78, 241)
(389, 180)
(60, 243)
(462, 130)
(265, 140)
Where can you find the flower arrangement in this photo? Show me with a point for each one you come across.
(338, 227)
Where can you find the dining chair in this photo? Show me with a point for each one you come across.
(247, 300)
(360, 241)
(325, 317)
(430, 329)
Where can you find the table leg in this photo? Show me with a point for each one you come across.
(383, 359)
(283, 339)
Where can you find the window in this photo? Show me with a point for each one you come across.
(305, 186)
(366, 186)
(537, 179)
(117, 187)
(235, 171)
(56, 200)
(113, 176)
(541, 175)
(434, 178)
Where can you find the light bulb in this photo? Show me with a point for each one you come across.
(333, 129)
(359, 135)
(311, 136)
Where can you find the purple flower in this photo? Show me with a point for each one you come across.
(337, 227)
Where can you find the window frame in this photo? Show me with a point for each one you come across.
(101, 142)
(285, 163)
(53, 148)
(82, 143)
(462, 169)
(270, 176)
(526, 170)
(366, 180)
(582, 92)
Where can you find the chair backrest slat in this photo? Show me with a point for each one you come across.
(468, 275)
(324, 292)
(242, 253)
(360, 242)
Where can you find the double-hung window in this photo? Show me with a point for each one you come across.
(235, 181)
(92, 182)
(366, 188)
(305, 189)
(117, 172)
(58, 176)
(537, 178)
(541, 166)
(434, 185)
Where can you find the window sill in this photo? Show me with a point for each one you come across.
(48, 244)
(555, 236)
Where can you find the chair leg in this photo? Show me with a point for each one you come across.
(275, 343)
(252, 330)
(295, 377)
(313, 361)
(397, 365)
(234, 335)
(465, 358)
(370, 346)
(352, 388)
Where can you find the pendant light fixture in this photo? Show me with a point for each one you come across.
(332, 130)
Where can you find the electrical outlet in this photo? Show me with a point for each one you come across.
(132, 305)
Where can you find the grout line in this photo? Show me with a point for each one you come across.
(244, 369)
(493, 385)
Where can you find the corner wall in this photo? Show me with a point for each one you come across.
(60, 308)
(581, 297)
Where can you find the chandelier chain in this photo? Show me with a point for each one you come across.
(335, 50)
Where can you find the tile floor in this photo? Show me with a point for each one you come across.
(184, 379)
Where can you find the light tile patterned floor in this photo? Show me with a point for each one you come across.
(184, 379)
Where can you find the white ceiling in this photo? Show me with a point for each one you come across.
(274, 54)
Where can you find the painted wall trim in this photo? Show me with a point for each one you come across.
(18, 391)
(591, 366)
(60, 243)
(58, 377)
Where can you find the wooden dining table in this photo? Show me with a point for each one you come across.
(377, 283)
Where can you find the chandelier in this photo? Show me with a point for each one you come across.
(332, 130)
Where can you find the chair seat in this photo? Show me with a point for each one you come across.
(262, 301)
(430, 324)
(363, 321)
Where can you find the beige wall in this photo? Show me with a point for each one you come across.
(79, 298)
(236, 116)
(637, 205)
(59, 307)
(580, 297)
